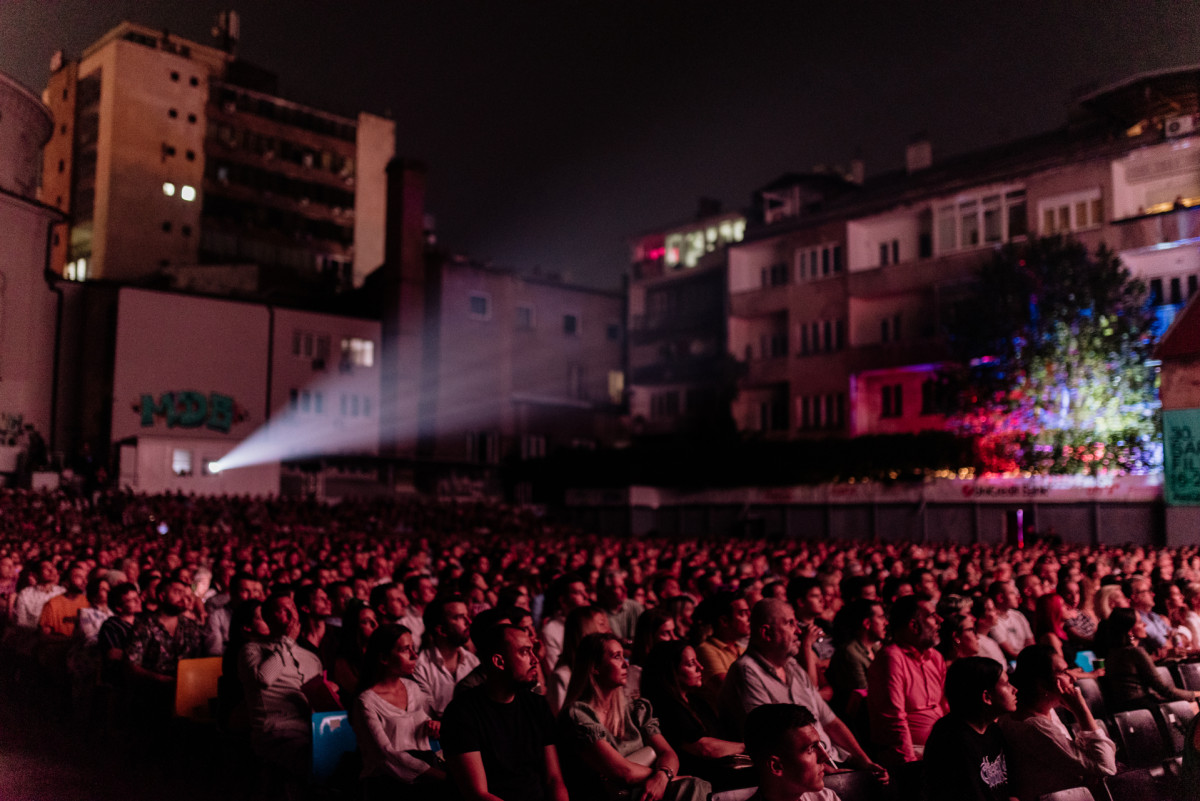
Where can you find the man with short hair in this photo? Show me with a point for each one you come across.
(807, 597)
(272, 673)
(421, 591)
(159, 641)
(61, 613)
(767, 674)
(389, 602)
(485, 620)
(964, 755)
(1141, 597)
(1012, 631)
(863, 627)
(623, 612)
(242, 587)
(566, 592)
(314, 606)
(729, 616)
(785, 745)
(499, 737)
(444, 659)
(904, 682)
(126, 603)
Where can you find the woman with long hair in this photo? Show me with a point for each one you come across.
(1041, 755)
(1133, 681)
(581, 621)
(246, 625)
(671, 682)
(681, 608)
(653, 626)
(1079, 621)
(391, 720)
(1048, 619)
(358, 625)
(609, 744)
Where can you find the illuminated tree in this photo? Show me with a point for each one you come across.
(1053, 343)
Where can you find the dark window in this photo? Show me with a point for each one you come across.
(191, 118)
(190, 155)
(816, 336)
(825, 261)
(898, 400)
(806, 412)
(840, 335)
(883, 254)
(172, 113)
(167, 227)
(925, 246)
(895, 251)
(804, 339)
(1017, 223)
(570, 324)
(1176, 291)
(779, 344)
(194, 81)
(841, 410)
(613, 332)
(931, 397)
(828, 336)
(174, 76)
(837, 258)
(779, 274)
(186, 230)
(896, 328)
(883, 330)
(1156, 292)
(1191, 285)
(479, 306)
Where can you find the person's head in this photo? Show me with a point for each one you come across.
(125, 599)
(582, 621)
(855, 588)
(807, 596)
(389, 601)
(861, 618)
(1049, 616)
(244, 587)
(782, 740)
(1041, 677)
(280, 614)
(611, 589)
(977, 688)
(1005, 595)
(97, 592)
(729, 615)
(247, 624)
(598, 679)
(514, 595)
(490, 618)
(1141, 594)
(174, 597)
(420, 590)
(1125, 627)
(313, 602)
(1030, 588)
(447, 622)
(1108, 598)
(773, 630)
(924, 581)
(681, 608)
(390, 653)
(984, 610)
(1167, 598)
(565, 593)
(76, 578)
(958, 638)
(47, 574)
(671, 670)
(1069, 590)
(508, 650)
(665, 586)
(653, 626)
(914, 621)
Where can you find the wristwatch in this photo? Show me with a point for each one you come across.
(670, 773)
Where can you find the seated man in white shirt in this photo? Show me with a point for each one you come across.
(782, 740)
(272, 673)
(1012, 631)
(242, 587)
(567, 592)
(444, 659)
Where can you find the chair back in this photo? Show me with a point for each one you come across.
(1190, 673)
(741, 794)
(1164, 673)
(1085, 661)
(332, 738)
(1175, 718)
(855, 785)
(1140, 738)
(1145, 784)
(1093, 697)
(195, 685)
(1074, 794)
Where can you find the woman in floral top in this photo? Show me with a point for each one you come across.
(609, 744)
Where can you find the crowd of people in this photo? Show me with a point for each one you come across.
(485, 651)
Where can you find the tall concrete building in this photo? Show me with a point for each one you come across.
(178, 164)
(839, 292)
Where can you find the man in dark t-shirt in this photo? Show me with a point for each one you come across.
(964, 755)
(499, 737)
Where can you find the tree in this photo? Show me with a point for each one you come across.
(1052, 346)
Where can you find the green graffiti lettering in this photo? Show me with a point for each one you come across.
(150, 409)
(220, 413)
(191, 410)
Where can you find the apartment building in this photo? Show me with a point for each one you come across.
(180, 165)
(677, 323)
(840, 290)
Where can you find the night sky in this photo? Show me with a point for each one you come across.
(554, 131)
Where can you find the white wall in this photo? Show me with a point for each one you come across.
(146, 468)
(375, 147)
(1156, 175)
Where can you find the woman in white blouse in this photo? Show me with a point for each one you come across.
(392, 723)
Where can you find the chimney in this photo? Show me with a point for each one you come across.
(858, 171)
(919, 155)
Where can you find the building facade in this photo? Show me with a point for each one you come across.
(178, 163)
(840, 292)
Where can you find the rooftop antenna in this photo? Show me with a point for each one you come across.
(228, 30)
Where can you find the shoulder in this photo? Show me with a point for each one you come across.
(579, 712)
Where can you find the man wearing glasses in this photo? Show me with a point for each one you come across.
(1141, 598)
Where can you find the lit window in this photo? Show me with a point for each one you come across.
(181, 462)
(76, 270)
(188, 193)
(359, 352)
(169, 189)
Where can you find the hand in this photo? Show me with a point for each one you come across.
(811, 635)
(655, 787)
(864, 763)
(433, 729)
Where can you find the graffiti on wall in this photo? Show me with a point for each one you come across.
(190, 409)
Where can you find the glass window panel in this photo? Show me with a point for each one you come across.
(969, 213)
(1081, 214)
(947, 230)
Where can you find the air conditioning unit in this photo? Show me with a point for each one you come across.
(1181, 126)
(318, 365)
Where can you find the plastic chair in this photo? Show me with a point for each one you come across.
(1145, 784)
(1165, 674)
(332, 739)
(1093, 697)
(1140, 738)
(1085, 660)
(1074, 794)
(1190, 673)
(195, 686)
(855, 785)
(1174, 719)
(742, 794)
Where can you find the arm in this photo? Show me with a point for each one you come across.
(604, 759)
(886, 702)
(214, 638)
(469, 776)
(556, 788)
(406, 766)
(712, 748)
(1149, 676)
(807, 657)
(840, 734)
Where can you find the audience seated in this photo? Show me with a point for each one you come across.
(159, 641)
(859, 631)
(359, 624)
(273, 672)
(314, 606)
(500, 738)
(623, 611)
(608, 740)
(113, 637)
(965, 755)
(904, 683)
(1156, 637)
(984, 612)
(654, 626)
(728, 617)
(420, 591)
(391, 721)
(444, 659)
(1041, 754)
(582, 621)
(789, 760)
(242, 587)
(1011, 631)
(567, 592)
(1131, 677)
(61, 612)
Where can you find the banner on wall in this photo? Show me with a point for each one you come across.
(1181, 449)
